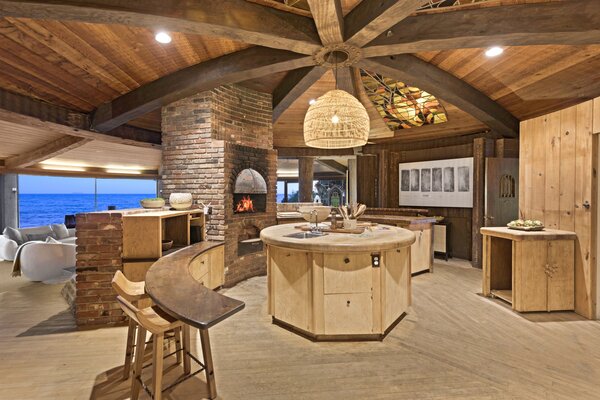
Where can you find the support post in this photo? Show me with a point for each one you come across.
(482, 148)
(305, 179)
(9, 207)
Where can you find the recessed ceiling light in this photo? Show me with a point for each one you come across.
(312, 101)
(494, 51)
(163, 37)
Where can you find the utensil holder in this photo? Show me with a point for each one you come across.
(350, 224)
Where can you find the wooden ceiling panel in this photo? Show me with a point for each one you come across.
(530, 80)
(103, 155)
(17, 139)
(81, 65)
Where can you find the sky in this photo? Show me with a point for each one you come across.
(34, 184)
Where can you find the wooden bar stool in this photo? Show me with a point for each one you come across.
(156, 321)
(134, 292)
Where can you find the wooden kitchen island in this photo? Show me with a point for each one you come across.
(339, 286)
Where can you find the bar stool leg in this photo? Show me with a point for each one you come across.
(157, 365)
(186, 350)
(138, 363)
(208, 362)
(129, 349)
(178, 345)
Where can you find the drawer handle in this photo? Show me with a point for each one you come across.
(348, 303)
(346, 260)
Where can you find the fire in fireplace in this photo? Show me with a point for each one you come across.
(245, 205)
(250, 192)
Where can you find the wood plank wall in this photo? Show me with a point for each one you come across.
(390, 155)
(558, 185)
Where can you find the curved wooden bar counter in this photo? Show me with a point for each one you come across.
(178, 284)
(339, 286)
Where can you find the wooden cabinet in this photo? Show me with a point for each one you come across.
(421, 252)
(338, 295)
(544, 276)
(208, 268)
(143, 233)
(534, 271)
(441, 239)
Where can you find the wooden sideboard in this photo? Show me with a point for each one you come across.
(534, 271)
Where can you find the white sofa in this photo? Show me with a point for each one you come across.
(8, 247)
(47, 262)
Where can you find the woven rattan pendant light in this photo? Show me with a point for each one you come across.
(336, 120)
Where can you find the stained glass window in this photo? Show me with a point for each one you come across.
(402, 106)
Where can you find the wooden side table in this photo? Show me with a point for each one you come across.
(534, 271)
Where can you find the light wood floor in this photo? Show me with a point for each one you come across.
(454, 344)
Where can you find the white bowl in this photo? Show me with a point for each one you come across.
(322, 213)
(181, 201)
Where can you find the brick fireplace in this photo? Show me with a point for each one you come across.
(209, 140)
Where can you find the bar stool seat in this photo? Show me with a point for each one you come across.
(134, 293)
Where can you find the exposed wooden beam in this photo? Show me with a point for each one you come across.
(341, 168)
(416, 72)
(251, 63)
(235, 19)
(293, 86)
(329, 20)
(574, 22)
(75, 123)
(37, 123)
(371, 18)
(45, 152)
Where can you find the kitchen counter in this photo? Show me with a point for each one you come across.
(176, 283)
(339, 286)
(422, 248)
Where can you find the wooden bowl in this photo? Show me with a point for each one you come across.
(167, 244)
(322, 213)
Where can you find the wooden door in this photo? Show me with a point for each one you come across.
(561, 275)
(530, 288)
(367, 185)
(501, 191)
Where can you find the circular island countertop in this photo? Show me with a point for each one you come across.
(379, 237)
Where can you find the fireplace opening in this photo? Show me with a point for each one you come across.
(249, 240)
(250, 192)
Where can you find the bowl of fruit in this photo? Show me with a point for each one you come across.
(526, 225)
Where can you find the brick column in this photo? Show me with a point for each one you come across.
(99, 251)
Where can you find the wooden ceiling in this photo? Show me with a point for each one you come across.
(98, 69)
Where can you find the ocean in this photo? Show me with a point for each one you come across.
(44, 209)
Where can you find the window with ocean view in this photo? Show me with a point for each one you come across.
(46, 200)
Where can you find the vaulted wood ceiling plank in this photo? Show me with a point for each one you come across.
(45, 152)
(87, 50)
(102, 81)
(252, 23)
(25, 76)
(38, 40)
(371, 18)
(329, 20)
(445, 86)
(232, 68)
(293, 86)
(573, 22)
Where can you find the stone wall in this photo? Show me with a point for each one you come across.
(205, 137)
(99, 251)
